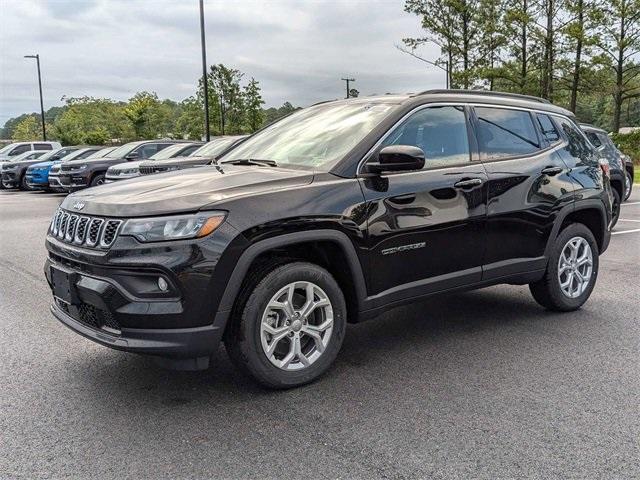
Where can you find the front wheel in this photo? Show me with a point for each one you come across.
(97, 180)
(615, 208)
(291, 327)
(571, 272)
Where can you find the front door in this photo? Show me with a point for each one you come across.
(426, 227)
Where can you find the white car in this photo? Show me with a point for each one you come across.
(8, 152)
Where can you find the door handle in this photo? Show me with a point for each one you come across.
(551, 171)
(471, 182)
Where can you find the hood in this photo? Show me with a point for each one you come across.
(187, 190)
(126, 165)
(44, 164)
(179, 162)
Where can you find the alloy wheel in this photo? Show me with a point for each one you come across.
(296, 326)
(627, 187)
(575, 267)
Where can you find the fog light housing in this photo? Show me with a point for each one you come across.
(162, 284)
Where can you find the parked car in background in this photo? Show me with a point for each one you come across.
(79, 174)
(54, 173)
(37, 176)
(202, 156)
(14, 149)
(618, 173)
(30, 155)
(123, 171)
(14, 173)
(334, 214)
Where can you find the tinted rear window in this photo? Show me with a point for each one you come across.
(506, 133)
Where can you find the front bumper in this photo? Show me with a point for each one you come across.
(175, 343)
(112, 296)
(37, 180)
(72, 182)
(117, 178)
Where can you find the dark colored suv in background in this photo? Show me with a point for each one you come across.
(79, 174)
(205, 155)
(619, 177)
(14, 175)
(334, 214)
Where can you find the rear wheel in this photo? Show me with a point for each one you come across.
(291, 327)
(628, 187)
(23, 183)
(97, 180)
(571, 272)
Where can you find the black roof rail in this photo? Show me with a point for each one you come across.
(488, 93)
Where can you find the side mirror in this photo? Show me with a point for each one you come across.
(398, 158)
(132, 156)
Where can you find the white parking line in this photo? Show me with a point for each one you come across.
(628, 220)
(626, 231)
(629, 203)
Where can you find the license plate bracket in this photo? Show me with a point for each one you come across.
(63, 282)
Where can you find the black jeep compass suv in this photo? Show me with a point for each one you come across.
(331, 215)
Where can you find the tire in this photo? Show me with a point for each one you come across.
(247, 340)
(548, 291)
(629, 188)
(97, 180)
(615, 207)
(23, 183)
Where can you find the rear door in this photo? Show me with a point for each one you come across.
(426, 227)
(528, 185)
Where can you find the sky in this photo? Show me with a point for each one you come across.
(297, 49)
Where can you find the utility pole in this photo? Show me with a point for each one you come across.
(205, 83)
(44, 131)
(348, 80)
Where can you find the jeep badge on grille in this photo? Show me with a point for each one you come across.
(78, 205)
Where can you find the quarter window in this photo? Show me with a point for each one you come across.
(43, 146)
(578, 146)
(506, 133)
(441, 132)
(548, 129)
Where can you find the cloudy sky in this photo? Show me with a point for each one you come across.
(297, 49)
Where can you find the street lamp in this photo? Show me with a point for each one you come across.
(348, 80)
(205, 84)
(37, 57)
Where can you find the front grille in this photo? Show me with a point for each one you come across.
(148, 170)
(84, 230)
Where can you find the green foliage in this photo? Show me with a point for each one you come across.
(629, 143)
(28, 128)
(149, 116)
(92, 120)
(272, 114)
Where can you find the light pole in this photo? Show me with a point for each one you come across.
(205, 84)
(44, 131)
(348, 80)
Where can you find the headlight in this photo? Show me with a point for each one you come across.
(79, 168)
(8, 166)
(176, 227)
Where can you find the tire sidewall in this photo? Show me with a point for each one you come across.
(630, 183)
(615, 215)
(256, 361)
(96, 179)
(575, 230)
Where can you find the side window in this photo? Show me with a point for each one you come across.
(593, 138)
(20, 149)
(441, 132)
(505, 133)
(85, 154)
(147, 150)
(578, 146)
(43, 146)
(548, 129)
(189, 150)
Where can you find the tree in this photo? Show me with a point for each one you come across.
(27, 129)
(272, 114)
(253, 105)
(619, 42)
(149, 117)
(190, 123)
(491, 15)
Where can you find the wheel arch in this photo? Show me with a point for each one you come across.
(590, 213)
(306, 246)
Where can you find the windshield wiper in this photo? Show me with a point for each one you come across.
(252, 161)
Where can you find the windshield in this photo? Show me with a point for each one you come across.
(100, 153)
(6, 148)
(48, 155)
(120, 152)
(315, 138)
(214, 147)
(168, 152)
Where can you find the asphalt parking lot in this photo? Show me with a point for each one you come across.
(483, 384)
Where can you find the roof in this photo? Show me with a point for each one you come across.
(464, 96)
